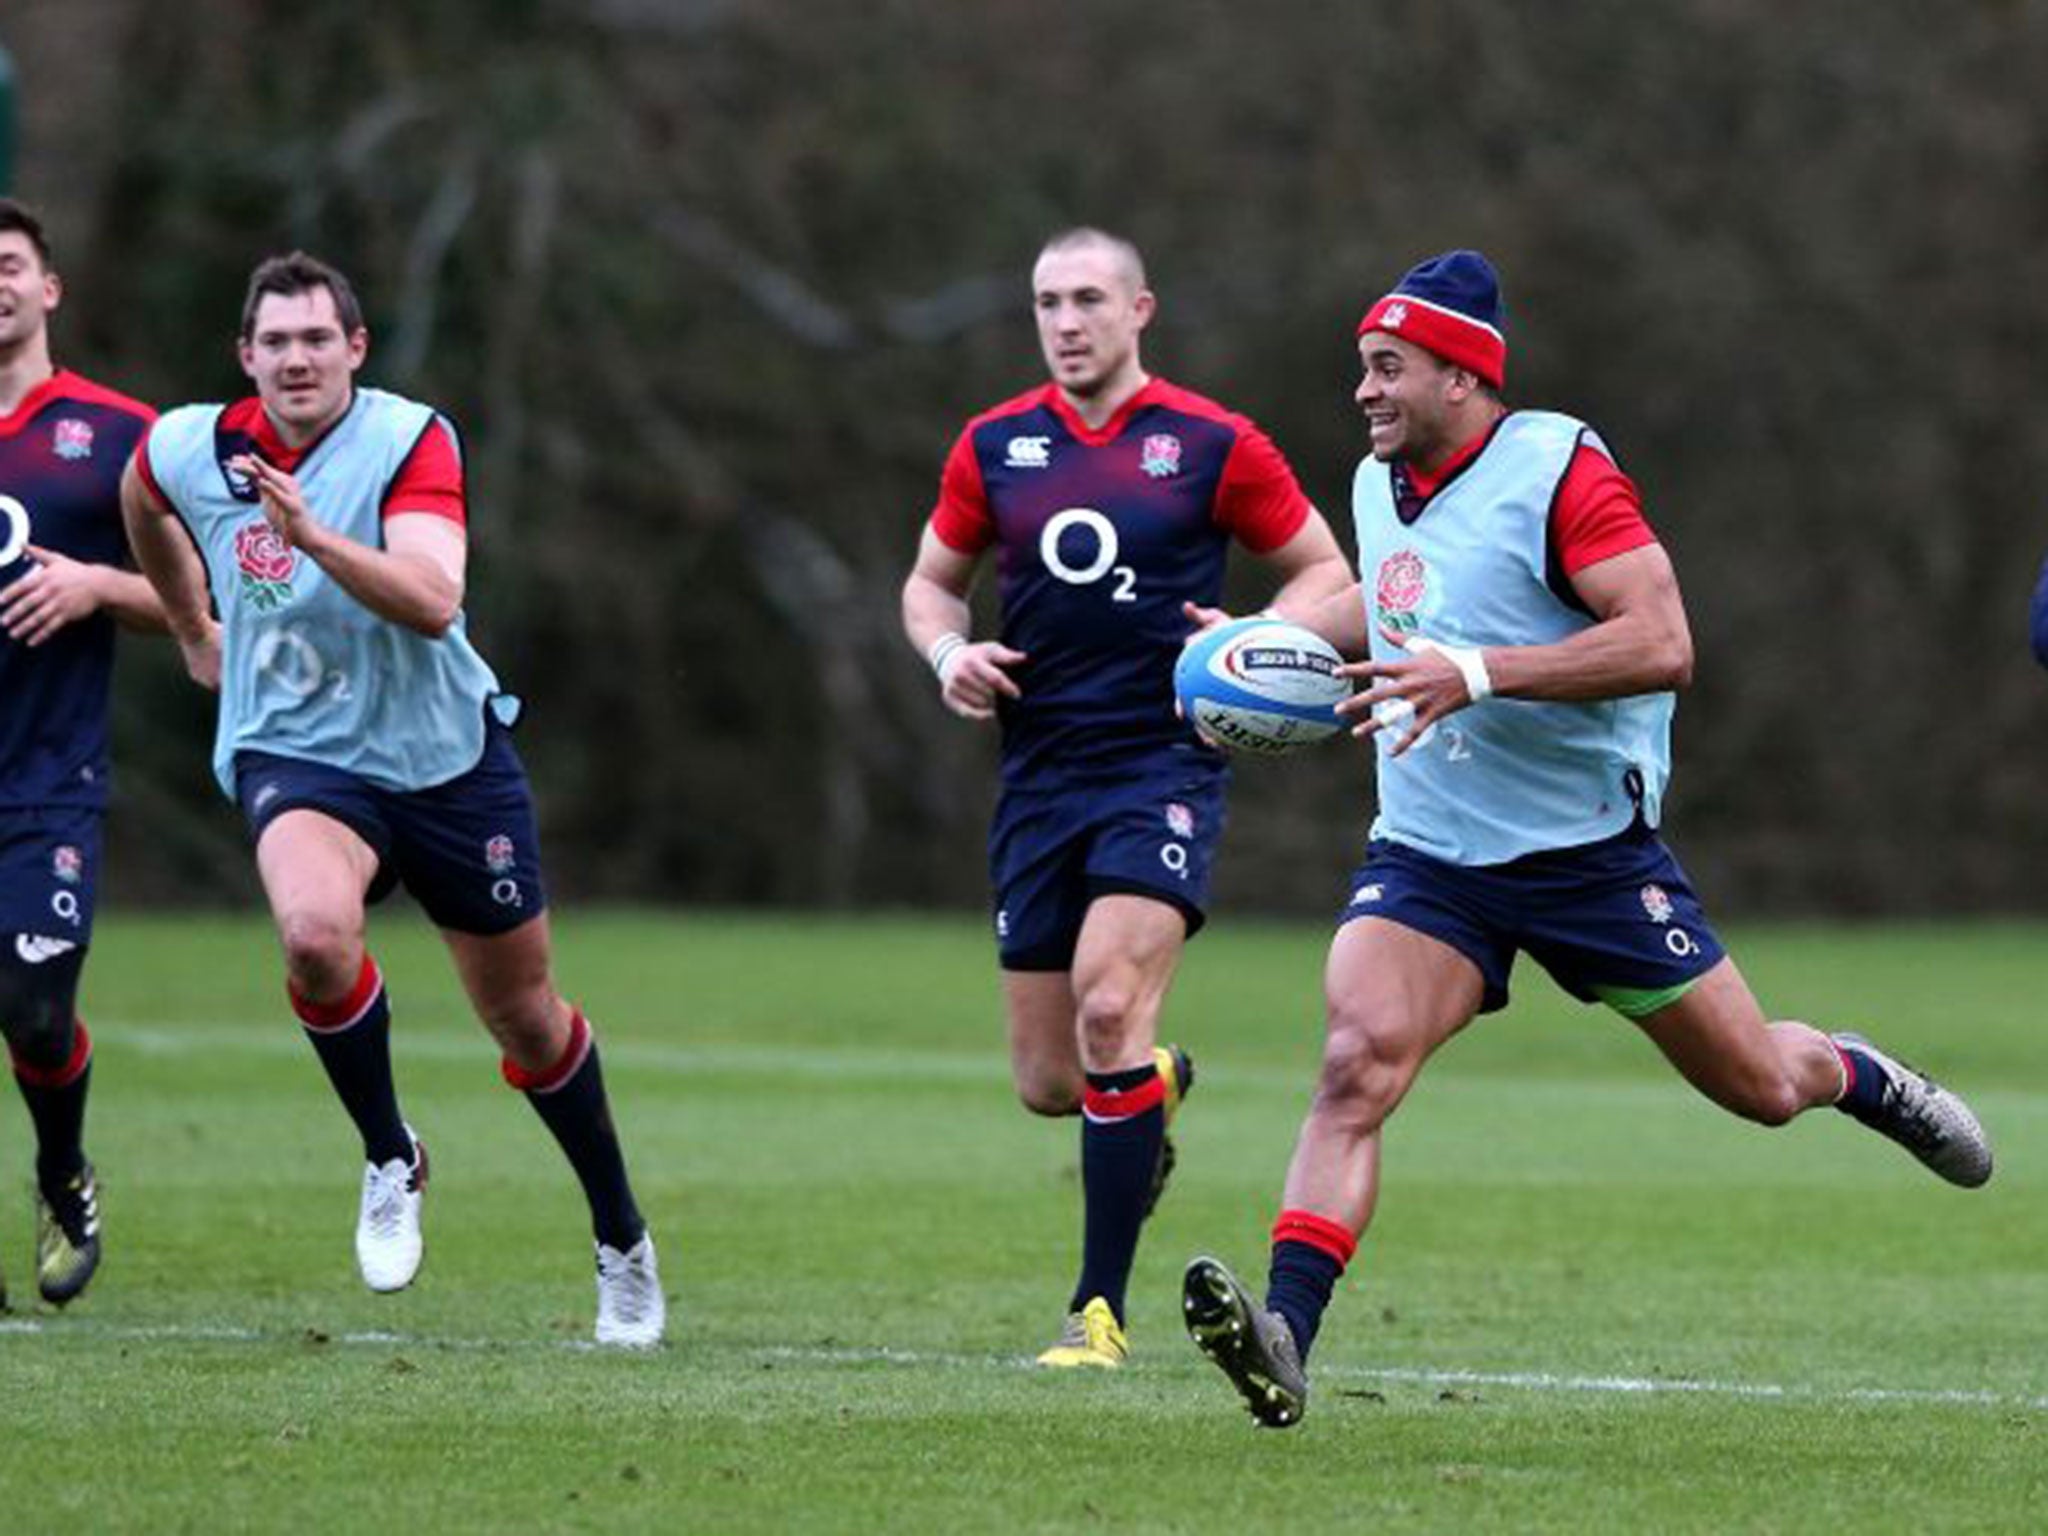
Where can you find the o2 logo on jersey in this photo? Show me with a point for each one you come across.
(1102, 533)
(14, 530)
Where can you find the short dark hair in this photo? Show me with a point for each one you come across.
(295, 273)
(1125, 251)
(18, 217)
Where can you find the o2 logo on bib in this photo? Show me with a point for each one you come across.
(1078, 530)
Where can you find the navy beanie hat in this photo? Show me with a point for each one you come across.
(1449, 305)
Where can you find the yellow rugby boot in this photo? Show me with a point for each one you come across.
(1177, 1071)
(1092, 1337)
(67, 1238)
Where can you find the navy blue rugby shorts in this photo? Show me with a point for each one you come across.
(1614, 921)
(1052, 851)
(468, 850)
(49, 871)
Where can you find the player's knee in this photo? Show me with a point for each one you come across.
(1361, 1080)
(322, 953)
(38, 1028)
(37, 1007)
(1052, 1097)
(1107, 1014)
(527, 1021)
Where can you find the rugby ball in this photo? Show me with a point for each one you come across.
(1260, 685)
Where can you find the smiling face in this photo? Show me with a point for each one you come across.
(302, 361)
(1091, 304)
(1413, 401)
(29, 291)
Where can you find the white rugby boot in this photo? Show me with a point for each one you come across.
(388, 1244)
(1928, 1120)
(631, 1311)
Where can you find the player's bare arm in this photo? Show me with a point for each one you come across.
(937, 620)
(61, 591)
(1317, 590)
(1313, 570)
(172, 566)
(415, 580)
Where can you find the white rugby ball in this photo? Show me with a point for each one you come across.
(1260, 685)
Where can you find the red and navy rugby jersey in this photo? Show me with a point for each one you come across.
(1100, 536)
(61, 454)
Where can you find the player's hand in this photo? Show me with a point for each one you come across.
(975, 678)
(201, 650)
(1409, 695)
(1204, 619)
(284, 504)
(57, 592)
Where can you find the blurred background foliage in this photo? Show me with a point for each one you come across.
(711, 284)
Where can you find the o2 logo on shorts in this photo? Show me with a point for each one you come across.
(1175, 857)
(500, 854)
(1657, 905)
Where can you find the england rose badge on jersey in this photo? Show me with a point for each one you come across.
(1160, 455)
(72, 439)
(266, 564)
(1403, 582)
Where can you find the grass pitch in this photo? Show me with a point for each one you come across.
(1591, 1301)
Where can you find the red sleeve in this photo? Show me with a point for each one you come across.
(430, 479)
(1258, 499)
(1597, 514)
(142, 470)
(961, 518)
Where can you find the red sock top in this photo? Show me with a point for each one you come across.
(339, 1015)
(551, 1078)
(1319, 1232)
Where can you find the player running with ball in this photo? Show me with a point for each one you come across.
(1526, 634)
(1111, 499)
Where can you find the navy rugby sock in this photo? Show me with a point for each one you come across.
(570, 1099)
(55, 1093)
(1309, 1254)
(1863, 1084)
(352, 1038)
(1123, 1121)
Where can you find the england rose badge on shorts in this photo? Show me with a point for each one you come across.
(1180, 821)
(1657, 902)
(67, 864)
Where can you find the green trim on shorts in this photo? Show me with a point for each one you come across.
(1640, 1002)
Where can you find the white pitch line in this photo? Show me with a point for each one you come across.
(882, 1354)
(1545, 1381)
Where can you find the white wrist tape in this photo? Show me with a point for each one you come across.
(1468, 659)
(944, 652)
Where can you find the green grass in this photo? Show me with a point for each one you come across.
(1591, 1301)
